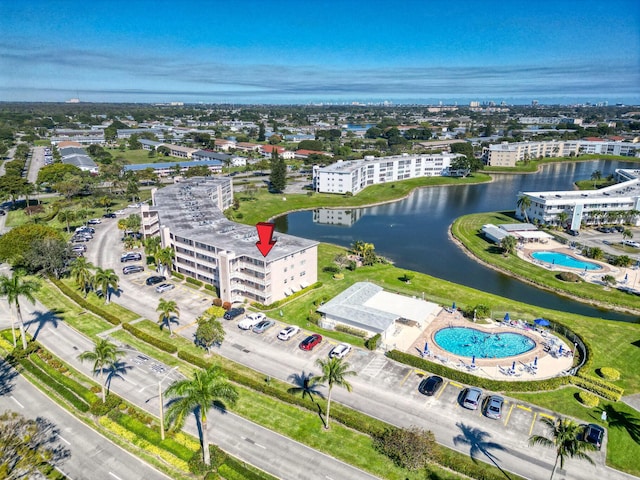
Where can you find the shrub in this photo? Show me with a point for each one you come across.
(351, 330)
(609, 373)
(208, 286)
(178, 275)
(588, 399)
(412, 448)
(80, 300)
(373, 342)
(569, 277)
(217, 302)
(589, 384)
(194, 281)
(331, 269)
(100, 409)
(155, 341)
(277, 303)
(226, 305)
(338, 276)
(314, 317)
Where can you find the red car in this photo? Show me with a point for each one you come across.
(310, 342)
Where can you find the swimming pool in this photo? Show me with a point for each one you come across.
(468, 342)
(555, 258)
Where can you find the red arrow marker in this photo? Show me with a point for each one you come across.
(265, 233)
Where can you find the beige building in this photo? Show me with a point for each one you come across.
(188, 218)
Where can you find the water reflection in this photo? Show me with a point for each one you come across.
(414, 232)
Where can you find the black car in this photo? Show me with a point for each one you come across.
(2, 212)
(109, 215)
(131, 257)
(593, 434)
(573, 233)
(429, 386)
(132, 269)
(233, 313)
(155, 279)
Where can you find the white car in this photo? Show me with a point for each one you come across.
(165, 287)
(251, 320)
(340, 351)
(288, 332)
(94, 221)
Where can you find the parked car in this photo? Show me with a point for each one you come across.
(631, 243)
(165, 287)
(94, 221)
(109, 215)
(288, 332)
(619, 228)
(79, 239)
(340, 351)
(471, 398)
(132, 269)
(155, 279)
(79, 248)
(251, 320)
(310, 342)
(85, 229)
(493, 407)
(131, 257)
(429, 386)
(263, 326)
(593, 434)
(573, 233)
(233, 313)
(2, 212)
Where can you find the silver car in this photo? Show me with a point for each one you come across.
(471, 398)
(288, 332)
(493, 408)
(340, 351)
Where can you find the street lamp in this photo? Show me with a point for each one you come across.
(161, 403)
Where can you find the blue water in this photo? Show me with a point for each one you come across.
(555, 258)
(468, 342)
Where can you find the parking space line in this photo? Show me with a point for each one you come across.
(506, 420)
(524, 408)
(455, 384)
(185, 326)
(406, 377)
(442, 389)
(548, 416)
(533, 422)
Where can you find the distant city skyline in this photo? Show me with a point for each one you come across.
(332, 51)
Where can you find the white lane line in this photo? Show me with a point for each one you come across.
(261, 446)
(115, 476)
(64, 440)
(14, 399)
(64, 474)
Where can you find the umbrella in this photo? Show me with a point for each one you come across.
(626, 277)
(506, 317)
(535, 362)
(454, 305)
(426, 348)
(542, 322)
(513, 366)
(560, 350)
(473, 361)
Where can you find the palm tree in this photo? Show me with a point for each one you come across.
(164, 258)
(627, 234)
(104, 355)
(106, 280)
(166, 308)
(81, 274)
(105, 202)
(562, 218)
(151, 246)
(524, 203)
(66, 216)
(596, 176)
(12, 288)
(198, 395)
(334, 371)
(565, 437)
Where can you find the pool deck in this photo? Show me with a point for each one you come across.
(549, 364)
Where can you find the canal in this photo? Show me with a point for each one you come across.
(413, 232)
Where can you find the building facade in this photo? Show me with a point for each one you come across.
(188, 217)
(355, 175)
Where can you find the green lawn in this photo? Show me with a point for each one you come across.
(534, 165)
(623, 425)
(114, 309)
(138, 156)
(467, 230)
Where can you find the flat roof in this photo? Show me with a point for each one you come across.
(182, 163)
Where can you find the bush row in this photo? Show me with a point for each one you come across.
(178, 275)
(467, 378)
(208, 286)
(609, 373)
(594, 388)
(145, 337)
(194, 281)
(81, 301)
(356, 332)
(373, 342)
(80, 390)
(602, 383)
(234, 469)
(469, 466)
(278, 303)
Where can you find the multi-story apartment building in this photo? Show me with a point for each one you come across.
(355, 175)
(207, 246)
(507, 154)
(618, 203)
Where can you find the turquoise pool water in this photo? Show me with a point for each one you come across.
(555, 258)
(468, 342)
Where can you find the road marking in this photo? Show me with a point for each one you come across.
(548, 416)
(406, 377)
(184, 326)
(442, 389)
(15, 400)
(374, 367)
(63, 474)
(115, 476)
(524, 408)
(64, 440)
(506, 420)
(455, 384)
(533, 422)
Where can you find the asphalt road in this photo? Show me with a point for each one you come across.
(92, 455)
(382, 388)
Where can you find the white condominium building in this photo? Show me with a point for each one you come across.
(355, 175)
(506, 154)
(616, 204)
(188, 218)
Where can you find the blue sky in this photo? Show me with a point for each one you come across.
(282, 51)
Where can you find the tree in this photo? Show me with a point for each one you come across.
(562, 218)
(164, 260)
(334, 372)
(261, 132)
(411, 448)
(596, 175)
(105, 202)
(19, 240)
(278, 177)
(81, 274)
(166, 309)
(66, 216)
(209, 332)
(27, 445)
(524, 203)
(12, 288)
(198, 394)
(151, 246)
(508, 244)
(565, 438)
(103, 356)
(627, 234)
(105, 280)
(49, 256)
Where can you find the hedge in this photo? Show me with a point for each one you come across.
(208, 286)
(588, 399)
(234, 469)
(277, 303)
(469, 379)
(81, 301)
(194, 281)
(155, 341)
(594, 387)
(609, 373)
(77, 388)
(178, 275)
(372, 343)
(469, 466)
